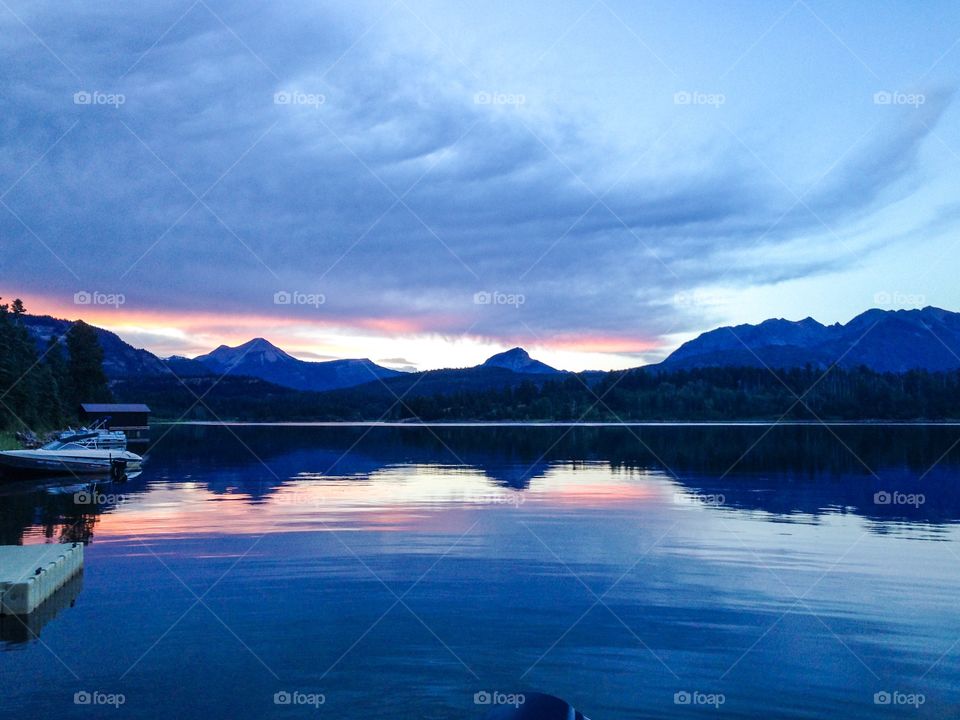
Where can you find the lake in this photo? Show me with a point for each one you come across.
(367, 571)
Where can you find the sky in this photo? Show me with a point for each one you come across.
(425, 183)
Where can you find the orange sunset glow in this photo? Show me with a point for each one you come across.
(190, 333)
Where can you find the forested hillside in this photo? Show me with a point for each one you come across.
(708, 394)
(42, 389)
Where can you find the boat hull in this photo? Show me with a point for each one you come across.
(38, 463)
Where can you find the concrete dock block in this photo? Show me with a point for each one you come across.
(29, 574)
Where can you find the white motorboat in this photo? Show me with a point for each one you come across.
(95, 437)
(70, 454)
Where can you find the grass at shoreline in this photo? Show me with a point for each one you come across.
(8, 441)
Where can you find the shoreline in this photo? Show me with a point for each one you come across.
(558, 423)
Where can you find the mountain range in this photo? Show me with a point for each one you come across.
(883, 340)
(256, 358)
(260, 359)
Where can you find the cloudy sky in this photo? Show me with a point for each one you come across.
(425, 182)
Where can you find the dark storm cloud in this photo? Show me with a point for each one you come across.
(381, 184)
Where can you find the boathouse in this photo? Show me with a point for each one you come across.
(132, 418)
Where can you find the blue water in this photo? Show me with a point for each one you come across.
(398, 572)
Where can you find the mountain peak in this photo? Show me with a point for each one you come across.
(518, 360)
(258, 343)
(260, 349)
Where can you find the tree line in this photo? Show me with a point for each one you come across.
(41, 389)
(642, 394)
(711, 394)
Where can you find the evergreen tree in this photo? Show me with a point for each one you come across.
(8, 369)
(42, 392)
(87, 380)
(56, 385)
(20, 377)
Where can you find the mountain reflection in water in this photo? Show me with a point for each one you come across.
(794, 571)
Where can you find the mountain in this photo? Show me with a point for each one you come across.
(120, 359)
(883, 340)
(258, 350)
(519, 361)
(261, 359)
(504, 371)
(255, 381)
(264, 382)
(184, 367)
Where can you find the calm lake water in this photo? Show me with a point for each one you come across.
(645, 572)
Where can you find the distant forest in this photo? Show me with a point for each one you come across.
(43, 390)
(732, 393)
(644, 394)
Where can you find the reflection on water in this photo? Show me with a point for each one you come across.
(16, 629)
(792, 572)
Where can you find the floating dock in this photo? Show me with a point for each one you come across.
(16, 629)
(29, 574)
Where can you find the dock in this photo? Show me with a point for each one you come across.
(30, 574)
(17, 629)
